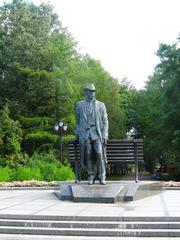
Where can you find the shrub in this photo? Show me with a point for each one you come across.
(66, 173)
(27, 173)
(14, 160)
(33, 141)
(49, 172)
(39, 159)
(5, 174)
(57, 172)
(43, 167)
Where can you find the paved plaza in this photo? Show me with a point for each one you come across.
(45, 203)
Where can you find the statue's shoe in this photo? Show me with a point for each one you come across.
(102, 182)
(91, 182)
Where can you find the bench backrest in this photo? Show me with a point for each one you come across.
(118, 151)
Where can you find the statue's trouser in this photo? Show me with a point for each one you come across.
(95, 145)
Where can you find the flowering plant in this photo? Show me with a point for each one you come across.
(171, 184)
(32, 183)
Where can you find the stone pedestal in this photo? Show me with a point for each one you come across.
(96, 193)
(110, 193)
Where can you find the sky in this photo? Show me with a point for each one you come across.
(123, 34)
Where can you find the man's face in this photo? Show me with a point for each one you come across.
(90, 94)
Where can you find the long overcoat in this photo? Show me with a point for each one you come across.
(101, 120)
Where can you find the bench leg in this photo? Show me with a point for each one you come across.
(136, 162)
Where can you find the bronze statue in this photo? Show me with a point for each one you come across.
(92, 134)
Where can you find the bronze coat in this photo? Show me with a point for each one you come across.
(82, 125)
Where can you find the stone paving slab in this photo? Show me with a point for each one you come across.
(159, 204)
(44, 202)
(28, 237)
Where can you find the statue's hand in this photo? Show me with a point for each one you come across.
(104, 141)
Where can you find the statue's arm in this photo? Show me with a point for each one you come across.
(105, 123)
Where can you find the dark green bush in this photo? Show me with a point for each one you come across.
(33, 141)
(40, 137)
(45, 148)
(32, 122)
(10, 134)
(165, 177)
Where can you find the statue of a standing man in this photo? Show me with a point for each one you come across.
(92, 133)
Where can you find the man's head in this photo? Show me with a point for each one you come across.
(90, 91)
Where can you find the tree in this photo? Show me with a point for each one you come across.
(42, 75)
(35, 53)
(129, 96)
(10, 139)
(158, 109)
(32, 39)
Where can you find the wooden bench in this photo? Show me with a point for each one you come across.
(119, 151)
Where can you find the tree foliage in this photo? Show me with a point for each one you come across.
(157, 109)
(42, 76)
(10, 139)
